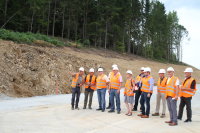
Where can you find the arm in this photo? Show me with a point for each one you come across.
(177, 89)
(72, 74)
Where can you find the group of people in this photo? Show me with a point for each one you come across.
(136, 90)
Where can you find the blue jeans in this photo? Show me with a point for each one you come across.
(101, 93)
(145, 100)
(114, 94)
(75, 95)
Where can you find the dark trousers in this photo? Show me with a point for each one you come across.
(137, 97)
(109, 103)
(88, 92)
(75, 95)
(145, 100)
(185, 101)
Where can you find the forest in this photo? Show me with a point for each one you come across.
(140, 27)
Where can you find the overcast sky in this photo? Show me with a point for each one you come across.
(189, 16)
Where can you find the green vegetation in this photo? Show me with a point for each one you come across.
(28, 38)
(141, 27)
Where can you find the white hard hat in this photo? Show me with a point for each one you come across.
(115, 68)
(142, 68)
(170, 69)
(100, 69)
(162, 71)
(147, 69)
(114, 65)
(91, 70)
(189, 69)
(129, 72)
(81, 69)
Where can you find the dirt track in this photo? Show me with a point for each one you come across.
(27, 71)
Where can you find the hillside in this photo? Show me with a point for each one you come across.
(32, 70)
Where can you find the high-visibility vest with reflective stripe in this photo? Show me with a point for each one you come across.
(146, 85)
(93, 81)
(161, 86)
(74, 80)
(114, 81)
(171, 87)
(128, 88)
(187, 85)
(100, 83)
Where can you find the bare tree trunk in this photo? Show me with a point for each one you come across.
(68, 30)
(63, 22)
(32, 18)
(49, 11)
(11, 17)
(54, 19)
(5, 11)
(129, 39)
(106, 34)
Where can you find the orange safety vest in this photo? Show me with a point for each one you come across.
(187, 85)
(146, 85)
(128, 88)
(74, 80)
(114, 81)
(171, 87)
(100, 83)
(161, 87)
(93, 81)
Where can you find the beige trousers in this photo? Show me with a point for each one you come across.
(161, 96)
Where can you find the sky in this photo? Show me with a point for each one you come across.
(188, 12)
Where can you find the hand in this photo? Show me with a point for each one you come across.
(148, 95)
(118, 91)
(176, 97)
(108, 90)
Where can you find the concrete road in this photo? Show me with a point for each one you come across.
(53, 114)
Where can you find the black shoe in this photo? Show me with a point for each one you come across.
(118, 112)
(84, 107)
(179, 119)
(89, 107)
(134, 109)
(111, 111)
(188, 120)
(108, 107)
(77, 108)
(72, 108)
(103, 110)
(98, 109)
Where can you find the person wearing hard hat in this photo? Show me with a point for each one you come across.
(114, 90)
(90, 86)
(77, 82)
(188, 90)
(172, 93)
(111, 73)
(147, 90)
(138, 91)
(128, 92)
(161, 89)
(102, 82)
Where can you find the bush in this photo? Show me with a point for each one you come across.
(29, 38)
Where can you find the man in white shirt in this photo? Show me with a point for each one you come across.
(172, 93)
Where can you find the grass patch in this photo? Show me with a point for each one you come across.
(29, 38)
